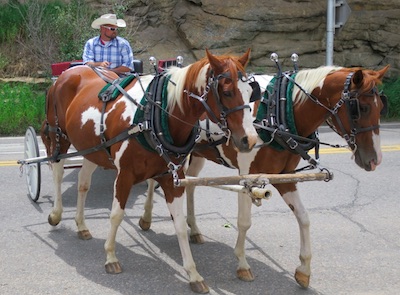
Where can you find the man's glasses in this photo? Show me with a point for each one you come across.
(110, 28)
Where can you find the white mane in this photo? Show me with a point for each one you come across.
(310, 79)
(176, 89)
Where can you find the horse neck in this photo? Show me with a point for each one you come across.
(309, 115)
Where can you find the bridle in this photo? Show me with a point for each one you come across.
(350, 100)
(212, 85)
(352, 104)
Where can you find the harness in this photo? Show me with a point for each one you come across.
(275, 120)
(152, 125)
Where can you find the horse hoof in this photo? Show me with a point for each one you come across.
(245, 275)
(113, 268)
(199, 287)
(197, 239)
(302, 279)
(84, 235)
(52, 221)
(144, 225)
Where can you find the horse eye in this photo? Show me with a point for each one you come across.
(228, 93)
(365, 109)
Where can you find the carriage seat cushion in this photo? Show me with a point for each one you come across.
(111, 92)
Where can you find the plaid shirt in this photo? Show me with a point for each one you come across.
(118, 52)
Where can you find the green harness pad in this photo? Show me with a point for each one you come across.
(123, 82)
(262, 113)
(139, 116)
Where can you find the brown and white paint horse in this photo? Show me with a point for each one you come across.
(74, 116)
(326, 84)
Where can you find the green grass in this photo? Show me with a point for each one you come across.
(21, 105)
(392, 90)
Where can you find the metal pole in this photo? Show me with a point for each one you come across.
(330, 31)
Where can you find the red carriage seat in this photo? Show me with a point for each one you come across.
(58, 68)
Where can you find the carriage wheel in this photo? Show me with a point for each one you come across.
(32, 171)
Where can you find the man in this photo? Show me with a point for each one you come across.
(109, 50)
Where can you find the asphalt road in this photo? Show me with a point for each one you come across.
(355, 237)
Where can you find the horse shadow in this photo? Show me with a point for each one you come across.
(152, 264)
(100, 194)
(151, 260)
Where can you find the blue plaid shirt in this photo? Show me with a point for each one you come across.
(118, 52)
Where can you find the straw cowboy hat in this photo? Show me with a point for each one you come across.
(108, 19)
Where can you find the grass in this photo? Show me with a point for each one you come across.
(22, 105)
(392, 89)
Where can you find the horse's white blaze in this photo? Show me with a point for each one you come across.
(376, 139)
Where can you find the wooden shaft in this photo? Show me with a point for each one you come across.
(255, 179)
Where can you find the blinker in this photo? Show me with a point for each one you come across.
(384, 99)
(256, 94)
(353, 107)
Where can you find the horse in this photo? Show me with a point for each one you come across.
(347, 98)
(146, 131)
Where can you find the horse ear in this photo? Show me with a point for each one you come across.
(358, 78)
(214, 62)
(382, 72)
(245, 58)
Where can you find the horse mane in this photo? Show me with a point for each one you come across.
(198, 70)
(309, 79)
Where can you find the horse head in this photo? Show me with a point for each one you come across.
(231, 94)
(357, 108)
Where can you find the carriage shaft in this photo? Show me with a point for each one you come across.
(254, 179)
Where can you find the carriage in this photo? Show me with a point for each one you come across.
(216, 91)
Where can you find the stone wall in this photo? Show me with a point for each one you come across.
(167, 28)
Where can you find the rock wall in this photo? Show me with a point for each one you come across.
(167, 28)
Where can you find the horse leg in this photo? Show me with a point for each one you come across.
(145, 220)
(122, 186)
(84, 181)
(197, 283)
(243, 271)
(303, 271)
(195, 166)
(58, 173)
(112, 264)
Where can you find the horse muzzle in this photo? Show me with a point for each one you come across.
(368, 162)
(245, 144)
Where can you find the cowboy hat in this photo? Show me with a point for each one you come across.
(108, 19)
